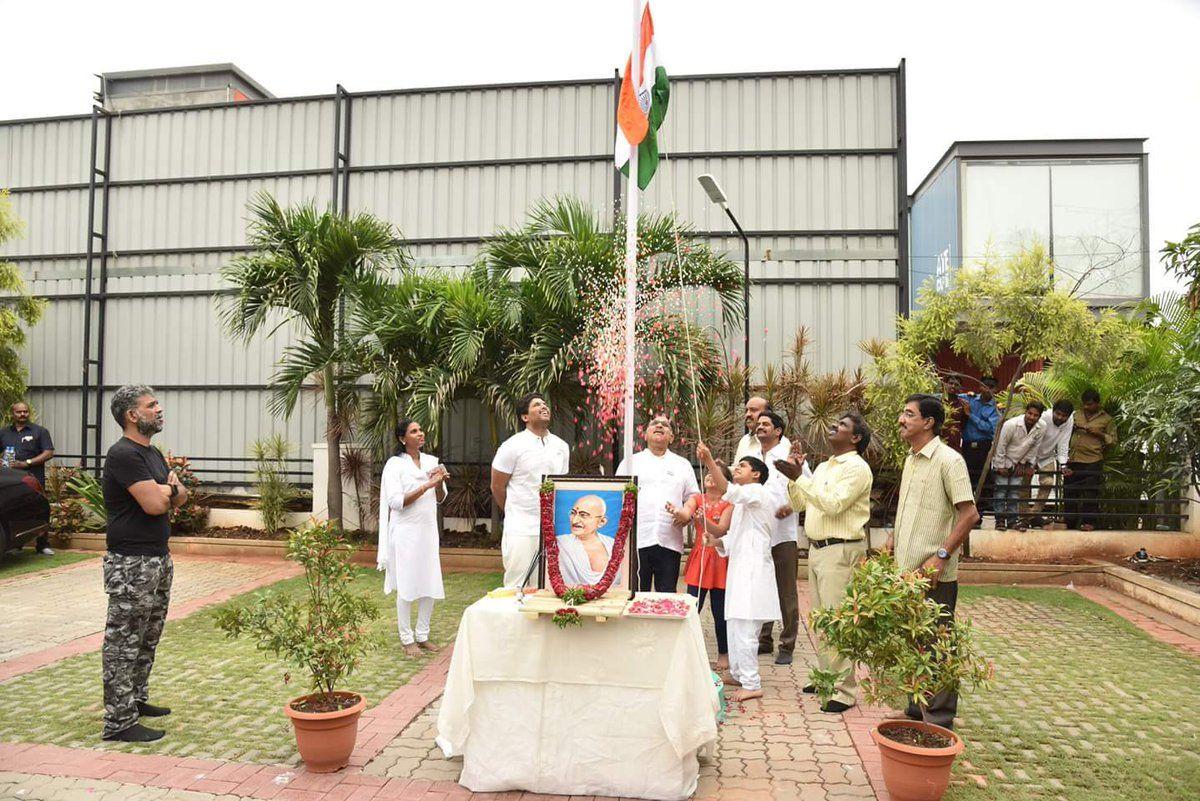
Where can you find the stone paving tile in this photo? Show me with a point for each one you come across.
(1071, 656)
(227, 696)
(780, 747)
(1080, 699)
(63, 605)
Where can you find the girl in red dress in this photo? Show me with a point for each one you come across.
(708, 580)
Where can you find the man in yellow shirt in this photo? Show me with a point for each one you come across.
(934, 515)
(836, 500)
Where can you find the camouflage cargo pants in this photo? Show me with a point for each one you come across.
(139, 590)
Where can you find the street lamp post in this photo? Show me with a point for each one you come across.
(716, 195)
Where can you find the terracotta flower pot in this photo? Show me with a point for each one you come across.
(326, 739)
(912, 773)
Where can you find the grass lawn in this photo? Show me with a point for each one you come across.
(227, 698)
(27, 560)
(1085, 706)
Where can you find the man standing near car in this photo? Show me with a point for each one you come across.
(139, 493)
(32, 448)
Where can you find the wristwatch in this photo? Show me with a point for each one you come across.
(942, 553)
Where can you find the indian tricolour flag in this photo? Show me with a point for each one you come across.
(641, 112)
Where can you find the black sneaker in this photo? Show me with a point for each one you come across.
(137, 733)
(783, 658)
(836, 707)
(765, 648)
(809, 689)
(151, 711)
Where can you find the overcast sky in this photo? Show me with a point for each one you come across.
(1020, 69)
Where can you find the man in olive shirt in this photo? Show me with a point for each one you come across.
(934, 515)
(139, 493)
(1092, 432)
(836, 501)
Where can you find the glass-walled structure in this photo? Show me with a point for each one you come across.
(1082, 200)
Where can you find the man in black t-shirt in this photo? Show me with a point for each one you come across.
(139, 493)
(31, 449)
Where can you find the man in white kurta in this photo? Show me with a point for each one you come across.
(521, 463)
(772, 446)
(663, 477)
(750, 595)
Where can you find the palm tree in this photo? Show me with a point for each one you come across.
(566, 266)
(516, 320)
(304, 267)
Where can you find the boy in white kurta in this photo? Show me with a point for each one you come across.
(751, 598)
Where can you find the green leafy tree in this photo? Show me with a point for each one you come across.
(305, 267)
(996, 311)
(1164, 422)
(1182, 258)
(18, 312)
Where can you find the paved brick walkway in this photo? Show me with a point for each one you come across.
(776, 749)
(48, 609)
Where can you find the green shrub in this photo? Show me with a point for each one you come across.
(888, 625)
(275, 493)
(328, 634)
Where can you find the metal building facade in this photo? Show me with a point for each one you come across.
(813, 163)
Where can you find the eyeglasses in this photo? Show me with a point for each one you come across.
(582, 515)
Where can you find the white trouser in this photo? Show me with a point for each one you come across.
(404, 619)
(743, 652)
(517, 552)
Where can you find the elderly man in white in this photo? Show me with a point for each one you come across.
(583, 554)
(663, 477)
(520, 464)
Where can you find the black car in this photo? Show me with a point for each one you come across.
(24, 510)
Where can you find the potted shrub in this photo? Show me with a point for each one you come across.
(888, 625)
(325, 634)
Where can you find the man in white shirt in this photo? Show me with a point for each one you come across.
(1013, 463)
(772, 447)
(521, 463)
(1052, 453)
(748, 444)
(750, 597)
(663, 477)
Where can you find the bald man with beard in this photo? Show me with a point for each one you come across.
(584, 553)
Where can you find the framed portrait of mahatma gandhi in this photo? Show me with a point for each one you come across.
(594, 545)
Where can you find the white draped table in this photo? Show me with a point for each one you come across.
(619, 708)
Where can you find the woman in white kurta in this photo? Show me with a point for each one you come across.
(751, 597)
(413, 484)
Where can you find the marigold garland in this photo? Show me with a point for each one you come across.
(550, 542)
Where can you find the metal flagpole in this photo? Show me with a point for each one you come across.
(631, 217)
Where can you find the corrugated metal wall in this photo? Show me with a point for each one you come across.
(812, 163)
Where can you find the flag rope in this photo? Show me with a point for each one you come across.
(687, 332)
